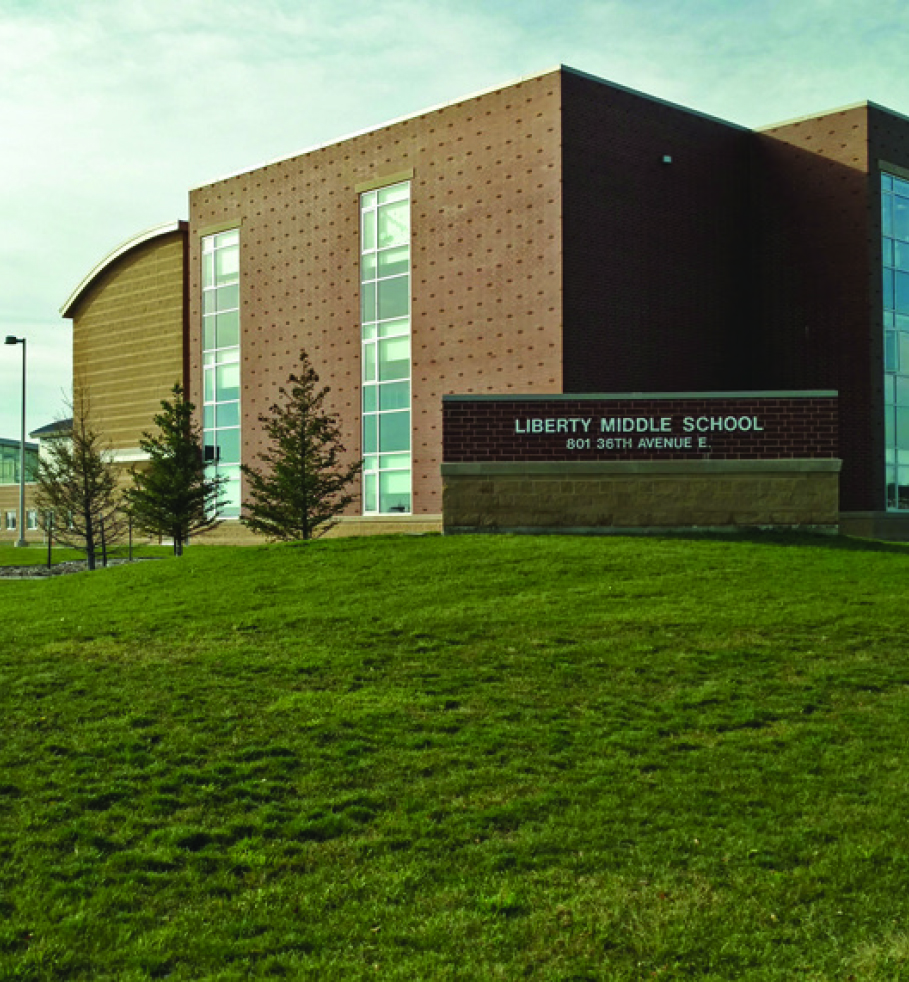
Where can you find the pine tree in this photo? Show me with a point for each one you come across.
(171, 495)
(77, 484)
(302, 487)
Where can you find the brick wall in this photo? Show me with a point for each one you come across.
(657, 255)
(486, 263)
(790, 426)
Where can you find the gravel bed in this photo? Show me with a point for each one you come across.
(58, 569)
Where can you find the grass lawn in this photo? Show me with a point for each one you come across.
(35, 554)
(479, 758)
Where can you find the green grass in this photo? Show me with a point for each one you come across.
(460, 758)
(35, 553)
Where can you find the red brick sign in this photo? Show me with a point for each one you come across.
(722, 426)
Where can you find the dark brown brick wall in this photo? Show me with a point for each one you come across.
(486, 266)
(656, 256)
(812, 284)
(793, 427)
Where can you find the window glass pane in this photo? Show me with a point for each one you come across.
(368, 200)
(369, 332)
(891, 487)
(902, 390)
(887, 252)
(900, 254)
(208, 358)
(888, 288)
(370, 463)
(901, 218)
(902, 491)
(394, 395)
(231, 238)
(394, 461)
(394, 261)
(208, 301)
(889, 390)
(388, 329)
(394, 432)
(394, 224)
(208, 418)
(208, 333)
(394, 359)
(230, 496)
(229, 414)
(368, 240)
(394, 297)
(227, 383)
(368, 302)
(208, 269)
(229, 329)
(370, 400)
(227, 265)
(394, 491)
(890, 364)
(368, 267)
(902, 429)
(228, 444)
(210, 385)
(901, 187)
(370, 434)
(397, 192)
(369, 363)
(902, 291)
(227, 355)
(902, 357)
(228, 297)
(370, 498)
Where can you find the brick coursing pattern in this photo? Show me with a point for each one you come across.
(792, 428)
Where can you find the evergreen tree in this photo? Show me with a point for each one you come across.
(302, 487)
(77, 483)
(171, 495)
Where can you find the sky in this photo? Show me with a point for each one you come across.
(111, 111)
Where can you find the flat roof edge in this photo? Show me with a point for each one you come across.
(114, 255)
(627, 396)
(653, 98)
(812, 116)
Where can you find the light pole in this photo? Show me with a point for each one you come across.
(12, 339)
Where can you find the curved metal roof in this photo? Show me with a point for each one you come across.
(112, 257)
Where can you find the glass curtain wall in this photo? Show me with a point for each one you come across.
(221, 361)
(385, 324)
(895, 249)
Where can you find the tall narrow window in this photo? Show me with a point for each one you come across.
(221, 362)
(895, 249)
(385, 323)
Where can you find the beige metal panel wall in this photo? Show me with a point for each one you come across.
(128, 339)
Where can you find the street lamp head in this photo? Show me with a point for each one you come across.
(12, 339)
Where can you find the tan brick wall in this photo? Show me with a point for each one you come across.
(640, 495)
(128, 339)
(9, 501)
